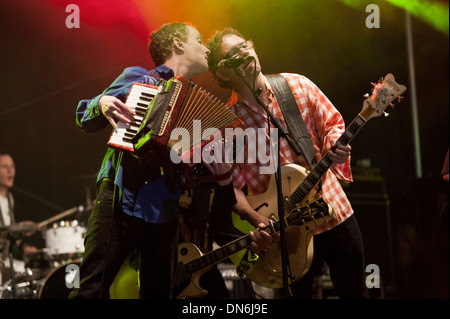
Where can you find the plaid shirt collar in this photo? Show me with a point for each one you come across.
(235, 100)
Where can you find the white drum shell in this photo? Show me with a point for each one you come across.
(65, 239)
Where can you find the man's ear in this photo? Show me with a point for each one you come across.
(177, 43)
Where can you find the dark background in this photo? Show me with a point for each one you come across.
(47, 68)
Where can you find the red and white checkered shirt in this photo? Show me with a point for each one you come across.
(323, 122)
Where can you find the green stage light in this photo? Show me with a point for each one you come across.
(432, 12)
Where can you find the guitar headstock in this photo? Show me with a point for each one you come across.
(383, 93)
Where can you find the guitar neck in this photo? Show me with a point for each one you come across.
(313, 178)
(218, 255)
(297, 196)
(296, 218)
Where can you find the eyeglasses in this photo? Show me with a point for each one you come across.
(244, 45)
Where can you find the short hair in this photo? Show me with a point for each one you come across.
(213, 45)
(161, 40)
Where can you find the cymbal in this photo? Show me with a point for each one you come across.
(65, 213)
(25, 227)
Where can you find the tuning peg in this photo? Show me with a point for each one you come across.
(391, 105)
(366, 95)
(385, 114)
(380, 80)
(373, 84)
(400, 98)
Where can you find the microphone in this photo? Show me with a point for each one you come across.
(233, 62)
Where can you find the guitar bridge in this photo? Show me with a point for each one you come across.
(315, 222)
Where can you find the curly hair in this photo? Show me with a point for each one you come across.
(161, 40)
(213, 45)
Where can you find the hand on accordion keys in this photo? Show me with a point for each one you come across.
(115, 110)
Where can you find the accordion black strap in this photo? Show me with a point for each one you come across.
(293, 118)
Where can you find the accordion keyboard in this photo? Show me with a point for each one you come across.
(138, 99)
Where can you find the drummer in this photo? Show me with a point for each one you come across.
(7, 175)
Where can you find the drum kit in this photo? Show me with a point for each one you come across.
(48, 273)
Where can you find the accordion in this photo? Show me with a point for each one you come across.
(179, 121)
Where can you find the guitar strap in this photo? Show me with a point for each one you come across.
(294, 119)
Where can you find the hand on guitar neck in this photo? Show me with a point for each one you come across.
(339, 153)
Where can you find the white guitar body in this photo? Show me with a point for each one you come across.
(267, 272)
(188, 252)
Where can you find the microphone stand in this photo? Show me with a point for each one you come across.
(9, 242)
(277, 123)
(13, 278)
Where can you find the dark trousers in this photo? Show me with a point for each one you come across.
(343, 251)
(112, 236)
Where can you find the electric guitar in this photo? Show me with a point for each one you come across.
(298, 184)
(192, 263)
(305, 212)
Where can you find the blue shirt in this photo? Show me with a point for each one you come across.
(143, 192)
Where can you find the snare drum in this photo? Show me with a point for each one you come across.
(66, 237)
